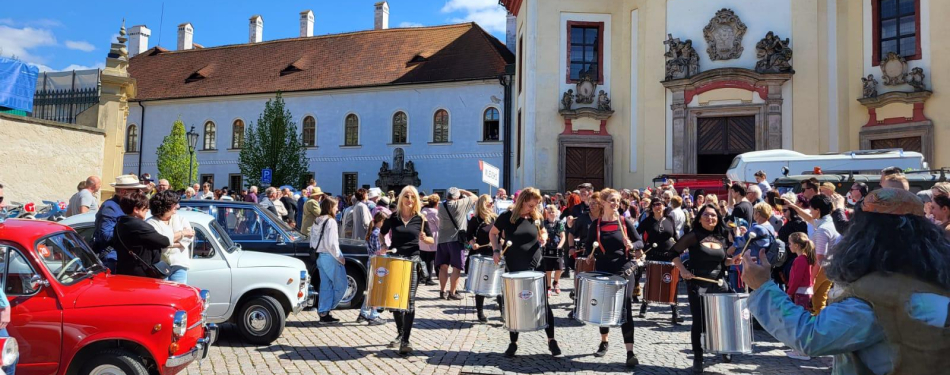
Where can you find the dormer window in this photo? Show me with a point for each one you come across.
(418, 59)
(290, 69)
(196, 76)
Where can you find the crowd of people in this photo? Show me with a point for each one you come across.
(828, 274)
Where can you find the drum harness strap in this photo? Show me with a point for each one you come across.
(628, 270)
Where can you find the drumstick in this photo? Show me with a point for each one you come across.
(507, 245)
(752, 237)
(719, 282)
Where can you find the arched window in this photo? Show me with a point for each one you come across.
(352, 130)
(309, 131)
(490, 125)
(237, 134)
(210, 136)
(440, 127)
(132, 139)
(400, 126)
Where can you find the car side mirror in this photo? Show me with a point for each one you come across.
(36, 282)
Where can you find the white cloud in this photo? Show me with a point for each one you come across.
(486, 13)
(83, 67)
(80, 45)
(40, 23)
(19, 42)
(410, 24)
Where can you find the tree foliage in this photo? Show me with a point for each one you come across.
(173, 158)
(273, 142)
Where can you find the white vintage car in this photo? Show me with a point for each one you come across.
(255, 291)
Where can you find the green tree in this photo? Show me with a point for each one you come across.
(274, 143)
(174, 158)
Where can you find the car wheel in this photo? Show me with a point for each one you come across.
(356, 285)
(114, 362)
(261, 320)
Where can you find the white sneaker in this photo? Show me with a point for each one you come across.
(796, 355)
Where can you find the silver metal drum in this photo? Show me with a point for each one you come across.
(600, 299)
(484, 276)
(525, 301)
(728, 323)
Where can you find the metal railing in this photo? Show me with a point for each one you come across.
(63, 104)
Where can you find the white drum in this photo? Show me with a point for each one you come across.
(600, 299)
(525, 301)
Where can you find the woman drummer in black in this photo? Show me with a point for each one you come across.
(408, 229)
(706, 243)
(619, 245)
(478, 227)
(522, 227)
(658, 229)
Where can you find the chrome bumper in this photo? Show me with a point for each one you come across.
(200, 351)
(309, 300)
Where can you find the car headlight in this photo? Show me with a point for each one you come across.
(10, 351)
(205, 300)
(180, 323)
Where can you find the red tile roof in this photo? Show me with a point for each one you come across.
(359, 59)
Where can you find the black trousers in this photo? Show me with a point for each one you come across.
(428, 257)
(480, 303)
(404, 319)
(627, 327)
(694, 289)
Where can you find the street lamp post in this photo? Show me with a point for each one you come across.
(192, 142)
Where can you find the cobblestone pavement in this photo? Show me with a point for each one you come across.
(449, 340)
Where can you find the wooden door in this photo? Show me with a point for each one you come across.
(906, 143)
(725, 135)
(584, 164)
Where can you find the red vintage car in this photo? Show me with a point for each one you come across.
(71, 316)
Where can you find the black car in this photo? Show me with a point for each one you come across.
(258, 229)
(918, 180)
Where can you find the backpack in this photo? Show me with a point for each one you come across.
(776, 253)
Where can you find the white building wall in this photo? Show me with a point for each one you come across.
(439, 165)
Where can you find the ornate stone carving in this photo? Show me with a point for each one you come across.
(603, 102)
(916, 79)
(586, 89)
(402, 173)
(870, 86)
(567, 100)
(724, 35)
(893, 69)
(774, 55)
(682, 61)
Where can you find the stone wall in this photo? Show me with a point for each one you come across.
(45, 160)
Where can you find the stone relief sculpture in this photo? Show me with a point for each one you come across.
(603, 102)
(586, 89)
(682, 61)
(724, 35)
(893, 69)
(567, 100)
(916, 79)
(774, 55)
(870, 86)
(402, 173)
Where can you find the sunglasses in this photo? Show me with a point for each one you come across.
(1, 199)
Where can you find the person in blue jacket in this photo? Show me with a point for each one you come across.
(108, 214)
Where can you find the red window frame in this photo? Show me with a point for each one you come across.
(876, 32)
(600, 49)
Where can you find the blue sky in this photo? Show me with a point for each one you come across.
(66, 34)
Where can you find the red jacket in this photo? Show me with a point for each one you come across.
(800, 276)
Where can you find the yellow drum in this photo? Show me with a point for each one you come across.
(390, 279)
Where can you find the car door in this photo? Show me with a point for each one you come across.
(210, 270)
(36, 318)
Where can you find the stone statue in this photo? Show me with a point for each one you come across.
(410, 167)
(682, 61)
(399, 158)
(603, 102)
(384, 168)
(723, 35)
(567, 99)
(870, 86)
(916, 79)
(774, 55)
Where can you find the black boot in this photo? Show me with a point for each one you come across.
(676, 316)
(601, 350)
(555, 350)
(698, 363)
(512, 348)
(632, 360)
(481, 317)
(643, 310)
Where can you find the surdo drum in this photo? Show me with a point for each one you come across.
(484, 276)
(390, 281)
(728, 323)
(525, 301)
(662, 280)
(600, 299)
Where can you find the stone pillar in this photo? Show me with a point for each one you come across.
(682, 152)
(774, 117)
(116, 89)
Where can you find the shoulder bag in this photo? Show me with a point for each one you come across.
(461, 233)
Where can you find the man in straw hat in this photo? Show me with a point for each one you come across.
(108, 214)
(311, 209)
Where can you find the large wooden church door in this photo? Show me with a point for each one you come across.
(721, 139)
(584, 164)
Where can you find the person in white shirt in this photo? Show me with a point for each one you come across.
(679, 217)
(325, 240)
(361, 215)
(85, 200)
(164, 208)
(205, 192)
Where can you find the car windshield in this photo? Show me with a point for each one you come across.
(293, 233)
(222, 236)
(67, 257)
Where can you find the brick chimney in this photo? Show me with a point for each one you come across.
(381, 17)
(256, 29)
(306, 23)
(186, 35)
(138, 39)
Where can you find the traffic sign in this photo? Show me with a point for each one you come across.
(266, 175)
(490, 173)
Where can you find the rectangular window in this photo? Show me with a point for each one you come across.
(585, 50)
(236, 182)
(349, 183)
(896, 28)
(440, 192)
(209, 178)
(520, 63)
(520, 141)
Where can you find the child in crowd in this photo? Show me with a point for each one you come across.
(801, 281)
(553, 258)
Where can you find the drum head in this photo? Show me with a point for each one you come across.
(523, 275)
(602, 277)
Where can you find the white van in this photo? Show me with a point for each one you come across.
(745, 165)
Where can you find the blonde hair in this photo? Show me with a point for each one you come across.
(676, 202)
(712, 198)
(808, 247)
(892, 179)
(763, 209)
(526, 194)
(416, 204)
(941, 188)
(482, 210)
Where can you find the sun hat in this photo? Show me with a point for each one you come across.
(127, 181)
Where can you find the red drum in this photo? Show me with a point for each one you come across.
(584, 264)
(662, 279)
